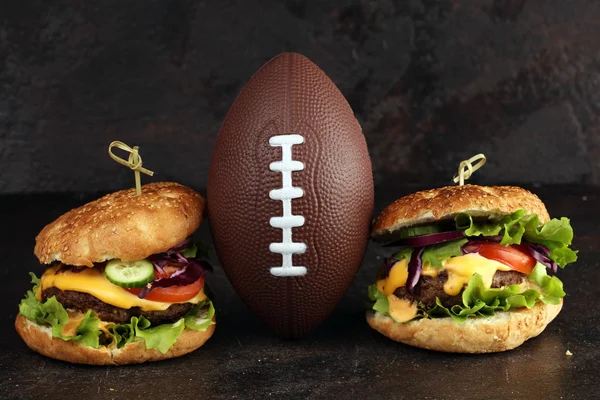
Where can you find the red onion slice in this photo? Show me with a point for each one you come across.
(193, 271)
(180, 258)
(171, 256)
(159, 262)
(434, 238)
(415, 266)
(469, 248)
(541, 254)
(190, 269)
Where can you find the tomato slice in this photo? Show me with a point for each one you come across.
(514, 256)
(171, 294)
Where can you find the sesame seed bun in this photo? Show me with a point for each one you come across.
(122, 225)
(493, 202)
(504, 331)
(39, 338)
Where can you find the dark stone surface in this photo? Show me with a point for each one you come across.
(431, 81)
(343, 358)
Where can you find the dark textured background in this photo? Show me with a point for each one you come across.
(431, 82)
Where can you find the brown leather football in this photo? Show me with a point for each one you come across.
(290, 195)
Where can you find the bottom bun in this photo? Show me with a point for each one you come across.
(504, 331)
(39, 338)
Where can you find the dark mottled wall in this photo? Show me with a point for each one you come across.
(431, 82)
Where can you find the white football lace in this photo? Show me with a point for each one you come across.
(286, 193)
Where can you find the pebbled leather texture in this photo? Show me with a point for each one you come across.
(291, 95)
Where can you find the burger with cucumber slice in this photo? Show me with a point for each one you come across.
(471, 269)
(125, 283)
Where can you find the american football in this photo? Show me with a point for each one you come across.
(290, 194)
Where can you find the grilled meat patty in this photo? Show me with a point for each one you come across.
(106, 312)
(428, 288)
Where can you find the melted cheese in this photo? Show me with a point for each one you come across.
(70, 328)
(396, 278)
(460, 269)
(75, 318)
(381, 285)
(428, 270)
(93, 281)
(401, 310)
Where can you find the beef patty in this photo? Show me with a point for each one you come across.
(428, 288)
(106, 312)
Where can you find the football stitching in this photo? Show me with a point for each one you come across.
(285, 194)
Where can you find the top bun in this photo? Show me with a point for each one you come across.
(493, 202)
(122, 225)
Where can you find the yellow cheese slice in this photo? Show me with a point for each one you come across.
(92, 281)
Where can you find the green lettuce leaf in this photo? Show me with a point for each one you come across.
(381, 302)
(122, 334)
(555, 230)
(52, 313)
(464, 222)
(404, 253)
(29, 305)
(551, 287)
(476, 292)
(478, 301)
(199, 317)
(160, 337)
(514, 227)
(556, 234)
(88, 331)
(190, 251)
(437, 253)
(481, 302)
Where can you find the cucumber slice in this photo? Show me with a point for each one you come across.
(420, 231)
(129, 274)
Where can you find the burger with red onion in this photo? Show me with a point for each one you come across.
(472, 268)
(124, 284)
